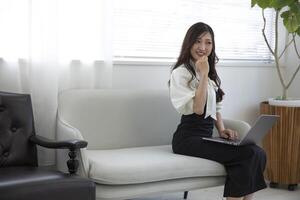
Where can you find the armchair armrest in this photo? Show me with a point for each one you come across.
(52, 144)
(72, 145)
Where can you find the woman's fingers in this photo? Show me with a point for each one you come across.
(202, 59)
(202, 65)
(225, 133)
(229, 134)
(234, 134)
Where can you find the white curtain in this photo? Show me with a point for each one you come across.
(51, 45)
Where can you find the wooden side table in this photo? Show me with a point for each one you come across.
(282, 146)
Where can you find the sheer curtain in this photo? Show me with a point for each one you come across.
(52, 45)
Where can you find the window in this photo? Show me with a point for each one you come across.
(155, 29)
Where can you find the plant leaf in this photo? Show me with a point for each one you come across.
(290, 24)
(291, 17)
(253, 3)
(295, 7)
(285, 14)
(279, 4)
(263, 3)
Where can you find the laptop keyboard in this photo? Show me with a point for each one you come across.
(229, 140)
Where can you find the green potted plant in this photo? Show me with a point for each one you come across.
(289, 12)
(282, 145)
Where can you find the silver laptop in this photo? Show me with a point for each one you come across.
(254, 135)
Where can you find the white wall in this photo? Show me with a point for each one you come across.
(245, 86)
(291, 63)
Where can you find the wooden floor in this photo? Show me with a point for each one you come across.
(216, 194)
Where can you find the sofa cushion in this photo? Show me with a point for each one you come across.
(147, 164)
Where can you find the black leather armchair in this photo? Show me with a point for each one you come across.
(20, 175)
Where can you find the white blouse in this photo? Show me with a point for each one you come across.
(182, 95)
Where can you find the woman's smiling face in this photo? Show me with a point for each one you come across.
(202, 47)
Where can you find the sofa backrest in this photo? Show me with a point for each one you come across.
(114, 118)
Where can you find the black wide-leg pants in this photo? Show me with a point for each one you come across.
(244, 164)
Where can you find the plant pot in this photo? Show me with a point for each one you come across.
(282, 145)
(287, 103)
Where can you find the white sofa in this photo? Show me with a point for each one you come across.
(129, 133)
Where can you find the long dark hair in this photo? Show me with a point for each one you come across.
(185, 56)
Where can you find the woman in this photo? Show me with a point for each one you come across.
(195, 93)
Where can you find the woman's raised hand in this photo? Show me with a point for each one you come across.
(202, 66)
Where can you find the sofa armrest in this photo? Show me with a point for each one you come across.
(72, 145)
(65, 131)
(241, 127)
